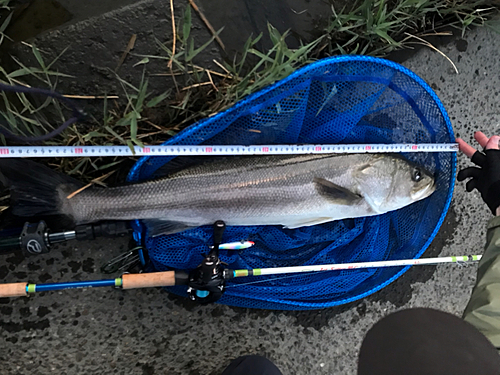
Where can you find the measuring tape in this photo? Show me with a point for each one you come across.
(176, 150)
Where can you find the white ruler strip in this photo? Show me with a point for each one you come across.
(78, 151)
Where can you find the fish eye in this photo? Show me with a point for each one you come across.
(416, 175)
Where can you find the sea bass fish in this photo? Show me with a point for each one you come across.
(290, 190)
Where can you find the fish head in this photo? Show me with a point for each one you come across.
(391, 182)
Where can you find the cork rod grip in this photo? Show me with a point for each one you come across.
(13, 290)
(148, 280)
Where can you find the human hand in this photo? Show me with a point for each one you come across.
(486, 178)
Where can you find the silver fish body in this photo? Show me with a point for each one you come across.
(292, 191)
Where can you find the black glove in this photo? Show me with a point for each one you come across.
(485, 179)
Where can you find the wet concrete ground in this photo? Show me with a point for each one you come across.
(151, 332)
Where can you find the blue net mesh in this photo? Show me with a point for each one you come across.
(348, 99)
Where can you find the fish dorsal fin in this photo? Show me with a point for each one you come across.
(335, 193)
(184, 162)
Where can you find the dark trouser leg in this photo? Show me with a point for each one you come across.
(252, 365)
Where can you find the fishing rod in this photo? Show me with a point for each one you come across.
(220, 150)
(36, 238)
(352, 266)
(207, 282)
(173, 278)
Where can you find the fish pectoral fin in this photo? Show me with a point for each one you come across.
(157, 227)
(335, 193)
(308, 222)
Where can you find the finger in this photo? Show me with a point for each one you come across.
(471, 185)
(493, 143)
(471, 172)
(479, 159)
(481, 138)
(465, 147)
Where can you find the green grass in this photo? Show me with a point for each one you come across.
(366, 27)
(380, 27)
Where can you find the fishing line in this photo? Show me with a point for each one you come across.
(77, 114)
(273, 279)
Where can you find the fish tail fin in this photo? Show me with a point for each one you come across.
(36, 190)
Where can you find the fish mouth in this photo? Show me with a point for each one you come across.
(425, 192)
